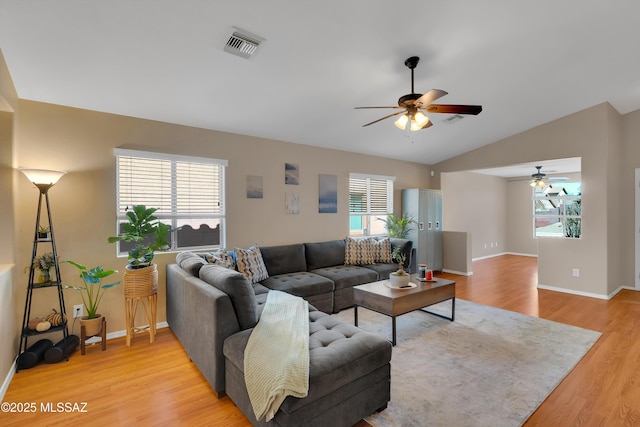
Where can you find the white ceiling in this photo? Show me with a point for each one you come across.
(552, 167)
(526, 63)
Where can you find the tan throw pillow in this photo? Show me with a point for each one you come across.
(382, 250)
(358, 252)
(250, 263)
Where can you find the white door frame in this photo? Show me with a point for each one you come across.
(637, 228)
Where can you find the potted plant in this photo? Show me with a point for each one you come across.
(399, 278)
(398, 227)
(146, 233)
(44, 263)
(140, 279)
(91, 291)
(43, 232)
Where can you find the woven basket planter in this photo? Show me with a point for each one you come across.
(141, 282)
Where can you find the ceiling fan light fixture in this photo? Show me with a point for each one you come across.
(419, 121)
(401, 123)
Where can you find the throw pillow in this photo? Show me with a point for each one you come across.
(382, 250)
(250, 263)
(358, 252)
(220, 257)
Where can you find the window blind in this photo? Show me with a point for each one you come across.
(370, 194)
(178, 187)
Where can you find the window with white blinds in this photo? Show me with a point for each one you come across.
(188, 192)
(370, 199)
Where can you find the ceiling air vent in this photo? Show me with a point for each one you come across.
(453, 119)
(243, 43)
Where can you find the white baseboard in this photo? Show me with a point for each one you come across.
(503, 253)
(488, 256)
(461, 273)
(522, 254)
(122, 333)
(585, 294)
(110, 335)
(7, 380)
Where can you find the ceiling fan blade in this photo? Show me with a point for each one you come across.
(429, 97)
(360, 108)
(454, 109)
(385, 117)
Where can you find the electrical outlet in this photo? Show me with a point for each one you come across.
(78, 311)
(576, 272)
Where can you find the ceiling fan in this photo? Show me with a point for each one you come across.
(539, 177)
(414, 105)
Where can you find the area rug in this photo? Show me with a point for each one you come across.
(490, 367)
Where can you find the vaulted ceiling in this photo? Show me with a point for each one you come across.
(526, 63)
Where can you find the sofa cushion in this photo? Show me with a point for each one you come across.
(284, 259)
(190, 262)
(347, 276)
(302, 284)
(359, 251)
(324, 254)
(240, 291)
(383, 269)
(250, 263)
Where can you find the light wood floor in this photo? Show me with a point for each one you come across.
(155, 384)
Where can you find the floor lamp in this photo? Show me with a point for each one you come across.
(44, 180)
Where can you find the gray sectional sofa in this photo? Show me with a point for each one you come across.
(317, 271)
(213, 309)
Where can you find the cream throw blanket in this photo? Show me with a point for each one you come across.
(276, 359)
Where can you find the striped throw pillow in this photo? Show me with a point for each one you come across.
(250, 263)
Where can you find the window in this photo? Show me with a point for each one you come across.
(370, 199)
(188, 192)
(557, 210)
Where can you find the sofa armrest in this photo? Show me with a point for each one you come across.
(202, 317)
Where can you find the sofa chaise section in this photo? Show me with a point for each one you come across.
(212, 311)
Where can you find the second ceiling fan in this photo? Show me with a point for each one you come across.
(413, 106)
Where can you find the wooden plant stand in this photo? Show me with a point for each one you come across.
(141, 286)
(102, 335)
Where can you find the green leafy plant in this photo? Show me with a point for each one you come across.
(92, 289)
(398, 226)
(146, 232)
(400, 258)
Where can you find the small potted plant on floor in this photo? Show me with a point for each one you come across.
(91, 291)
(399, 278)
